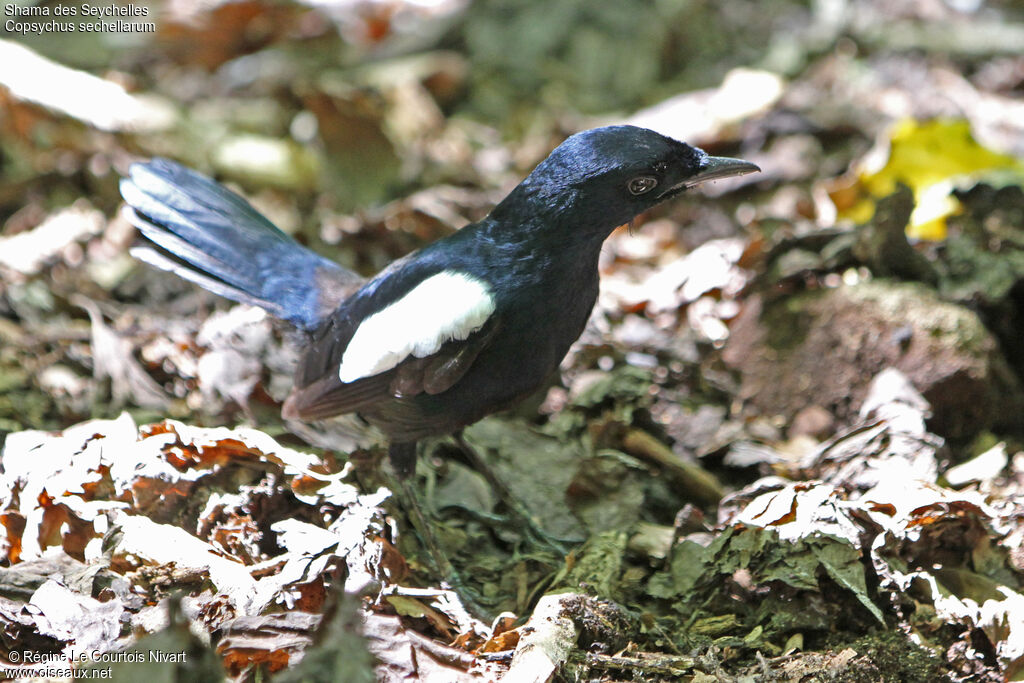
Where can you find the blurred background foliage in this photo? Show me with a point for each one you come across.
(352, 98)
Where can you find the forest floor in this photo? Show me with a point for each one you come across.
(788, 445)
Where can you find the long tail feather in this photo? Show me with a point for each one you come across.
(207, 234)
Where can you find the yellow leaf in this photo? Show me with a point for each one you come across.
(930, 157)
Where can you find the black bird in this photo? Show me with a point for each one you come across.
(446, 335)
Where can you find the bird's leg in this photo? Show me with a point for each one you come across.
(509, 499)
(403, 460)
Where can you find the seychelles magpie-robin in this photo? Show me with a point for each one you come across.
(464, 327)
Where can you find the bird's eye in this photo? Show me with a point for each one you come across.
(642, 184)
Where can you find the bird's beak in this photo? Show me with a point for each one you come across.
(715, 168)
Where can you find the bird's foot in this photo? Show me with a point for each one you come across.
(518, 515)
(443, 566)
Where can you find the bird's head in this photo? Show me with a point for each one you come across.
(604, 177)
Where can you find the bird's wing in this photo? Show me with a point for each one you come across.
(434, 374)
(443, 307)
(423, 342)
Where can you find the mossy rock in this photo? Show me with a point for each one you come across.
(822, 348)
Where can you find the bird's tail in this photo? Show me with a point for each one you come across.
(205, 233)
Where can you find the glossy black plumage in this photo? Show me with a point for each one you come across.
(531, 265)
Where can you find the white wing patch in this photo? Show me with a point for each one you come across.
(443, 307)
